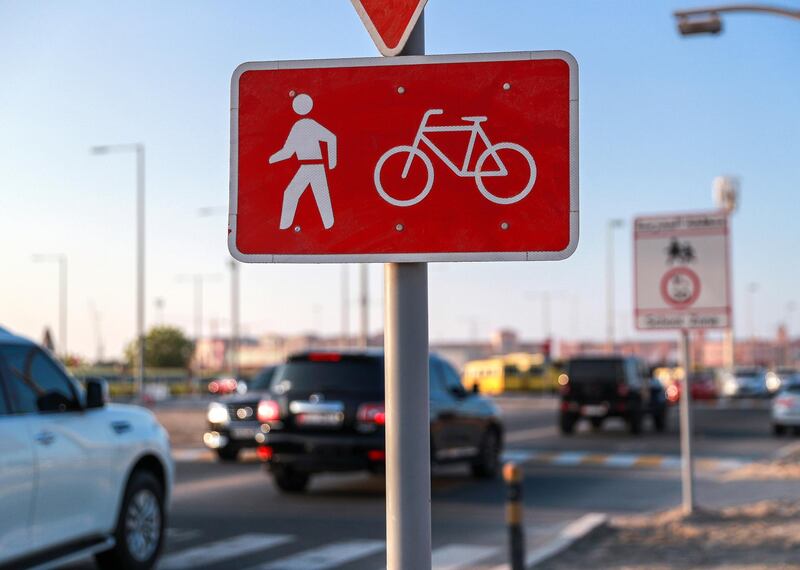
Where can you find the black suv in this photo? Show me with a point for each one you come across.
(598, 387)
(325, 412)
(232, 421)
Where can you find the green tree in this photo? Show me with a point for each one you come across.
(165, 347)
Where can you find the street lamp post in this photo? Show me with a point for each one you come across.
(235, 298)
(610, 300)
(707, 20)
(61, 259)
(138, 149)
(198, 280)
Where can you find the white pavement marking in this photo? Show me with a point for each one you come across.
(574, 531)
(329, 556)
(455, 556)
(569, 458)
(621, 460)
(221, 550)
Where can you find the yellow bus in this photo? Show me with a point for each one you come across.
(516, 372)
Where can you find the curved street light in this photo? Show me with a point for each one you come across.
(707, 20)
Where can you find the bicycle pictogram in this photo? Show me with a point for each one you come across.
(478, 173)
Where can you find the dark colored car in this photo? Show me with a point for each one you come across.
(232, 422)
(597, 387)
(325, 412)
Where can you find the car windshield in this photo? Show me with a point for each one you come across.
(749, 372)
(263, 379)
(345, 375)
(599, 370)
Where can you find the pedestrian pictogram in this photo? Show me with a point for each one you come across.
(681, 271)
(305, 141)
(489, 163)
(434, 158)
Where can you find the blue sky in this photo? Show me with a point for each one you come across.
(660, 117)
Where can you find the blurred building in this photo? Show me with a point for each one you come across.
(213, 354)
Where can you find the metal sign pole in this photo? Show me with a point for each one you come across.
(687, 461)
(408, 477)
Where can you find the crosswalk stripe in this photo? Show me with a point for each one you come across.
(221, 550)
(324, 557)
(455, 556)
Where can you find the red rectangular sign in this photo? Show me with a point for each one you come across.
(425, 158)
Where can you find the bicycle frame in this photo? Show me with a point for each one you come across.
(475, 130)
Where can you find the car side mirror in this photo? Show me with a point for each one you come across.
(476, 388)
(96, 393)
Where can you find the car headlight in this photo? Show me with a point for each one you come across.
(218, 414)
(773, 382)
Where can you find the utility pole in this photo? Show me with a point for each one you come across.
(610, 284)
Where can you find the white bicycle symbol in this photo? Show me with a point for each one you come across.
(475, 130)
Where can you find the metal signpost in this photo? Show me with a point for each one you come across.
(344, 161)
(682, 281)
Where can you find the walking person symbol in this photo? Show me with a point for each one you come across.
(305, 140)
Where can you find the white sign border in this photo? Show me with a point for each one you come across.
(728, 291)
(407, 257)
(376, 36)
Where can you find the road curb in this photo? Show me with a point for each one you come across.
(569, 535)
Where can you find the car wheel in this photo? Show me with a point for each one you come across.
(566, 424)
(290, 481)
(597, 423)
(140, 527)
(488, 463)
(228, 453)
(778, 429)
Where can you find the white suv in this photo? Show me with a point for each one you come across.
(77, 477)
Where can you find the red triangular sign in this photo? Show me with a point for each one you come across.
(389, 22)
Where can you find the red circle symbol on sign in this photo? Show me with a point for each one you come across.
(680, 287)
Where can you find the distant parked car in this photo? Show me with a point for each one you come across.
(599, 387)
(78, 477)
(786, 410)
(233, 423)
(702, 387)
(744, 382)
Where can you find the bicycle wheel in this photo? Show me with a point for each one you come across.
(491, 151)
(413, 152)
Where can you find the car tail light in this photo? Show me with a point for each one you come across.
(623, 390)
(371, 414)
(268, 411)
(673, 393)
(376, 455)
(264, 452)
(784, 402)
(324, 357)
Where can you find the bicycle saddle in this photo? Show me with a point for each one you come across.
(475, 120)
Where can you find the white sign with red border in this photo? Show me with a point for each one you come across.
(682, 271)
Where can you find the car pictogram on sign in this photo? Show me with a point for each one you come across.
(680, 287)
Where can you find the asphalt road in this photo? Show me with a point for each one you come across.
(231, 516)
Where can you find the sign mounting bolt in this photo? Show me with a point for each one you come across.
(506, 86)
(399, 227)
(297, 229)
(504, 226)
(292, 93)
(401, 90)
